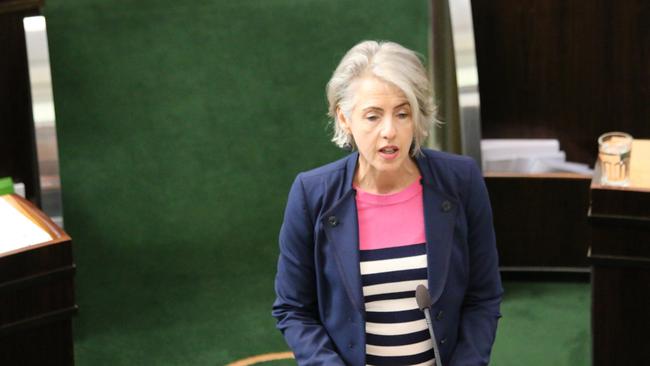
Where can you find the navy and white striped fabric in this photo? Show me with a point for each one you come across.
(396, 331)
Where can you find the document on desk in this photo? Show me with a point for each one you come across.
(17, 230)
(527, 156)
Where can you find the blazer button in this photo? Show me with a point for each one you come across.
(351, 345)
(446, 206)
(440, 315)
(333, 221)
(443, 341)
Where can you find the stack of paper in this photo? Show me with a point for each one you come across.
(17, 230)
(527, 156)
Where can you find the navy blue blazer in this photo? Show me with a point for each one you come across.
(319, 306)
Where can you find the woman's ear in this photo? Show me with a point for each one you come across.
(343, 120)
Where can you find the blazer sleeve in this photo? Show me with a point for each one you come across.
(480, 311)
(296, 307)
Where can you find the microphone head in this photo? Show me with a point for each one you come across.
(422, 297)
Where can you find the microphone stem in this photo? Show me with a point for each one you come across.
(436, 352)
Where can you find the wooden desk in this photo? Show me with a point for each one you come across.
(620, 259)
(540, 221)
(37, 297)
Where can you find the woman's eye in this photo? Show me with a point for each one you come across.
(402, 115)
(372, 118)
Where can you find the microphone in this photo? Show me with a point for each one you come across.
(424, 303)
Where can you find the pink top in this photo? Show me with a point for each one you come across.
(391, 220)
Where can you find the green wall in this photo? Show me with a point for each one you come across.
(181, 126)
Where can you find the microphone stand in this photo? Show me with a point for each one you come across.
(424, 303)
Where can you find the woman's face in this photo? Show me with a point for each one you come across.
(381, 124)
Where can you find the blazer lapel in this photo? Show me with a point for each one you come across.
(342, 231)
(341, 228)
(440, 211)
(439, 217)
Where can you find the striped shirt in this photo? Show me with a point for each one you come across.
(393, 263)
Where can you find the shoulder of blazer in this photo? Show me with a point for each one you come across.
(335, 169)
(327, 184)
(443, 162)
(447, 173)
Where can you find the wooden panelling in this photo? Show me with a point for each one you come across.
(48, 344)
(540, 221)
(17, 147)
(563, 69)
(620, 258)
(620, 318)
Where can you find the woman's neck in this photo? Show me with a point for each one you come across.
(385, 182)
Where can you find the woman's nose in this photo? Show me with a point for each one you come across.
(388, 130)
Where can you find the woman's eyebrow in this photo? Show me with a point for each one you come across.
(372, 108)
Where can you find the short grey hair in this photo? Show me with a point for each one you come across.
(389, 62)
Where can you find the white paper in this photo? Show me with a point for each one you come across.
(503, 149)
(527, 156)
(18, 231)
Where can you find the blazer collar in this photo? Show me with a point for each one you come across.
(340, 223)
(440, 213)
(428, 176)
(350, 168)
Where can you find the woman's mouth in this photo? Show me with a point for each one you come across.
(389, 152)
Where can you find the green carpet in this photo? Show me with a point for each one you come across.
(544, 324)
(181, 127)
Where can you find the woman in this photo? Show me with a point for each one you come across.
(360, 234)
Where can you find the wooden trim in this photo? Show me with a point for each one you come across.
(38, 278)
(39, 218)
(49, 317)
(253, 360)
(562, 274)
(619, 220)
(596, 185)
(617, 260)
(537, 175)
(12, 6)
(619, 202)
(545, 269)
